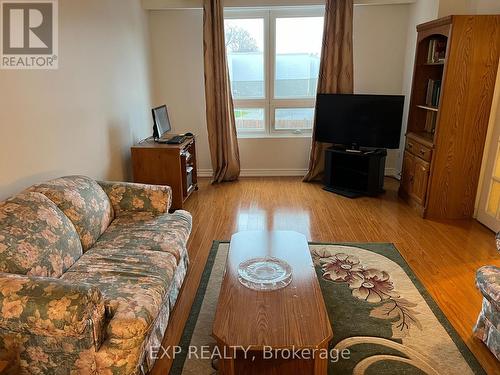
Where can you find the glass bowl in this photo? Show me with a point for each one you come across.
(267, 273)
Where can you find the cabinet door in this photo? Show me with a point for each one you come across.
(407, 172)
(420, 179)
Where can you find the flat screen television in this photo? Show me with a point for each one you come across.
(161, 122)
(359, 120)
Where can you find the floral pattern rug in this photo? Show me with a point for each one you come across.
(378, 309)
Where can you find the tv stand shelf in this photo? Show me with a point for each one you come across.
(355, 174)
(167, 164)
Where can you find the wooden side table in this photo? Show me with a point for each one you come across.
(163, 164)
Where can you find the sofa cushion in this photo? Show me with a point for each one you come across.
(146, 231)
(127, 197)
(36, 238)
(134, 284)
(84, 202)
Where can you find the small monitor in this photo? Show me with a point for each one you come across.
(161, 123)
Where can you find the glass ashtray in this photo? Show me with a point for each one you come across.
(266, 273)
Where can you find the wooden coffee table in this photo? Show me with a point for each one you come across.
(292, 318)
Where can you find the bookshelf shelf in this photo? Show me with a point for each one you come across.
(428, 108)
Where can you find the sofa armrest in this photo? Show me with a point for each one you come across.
(488, 283)
(49, 307)
(130, 197)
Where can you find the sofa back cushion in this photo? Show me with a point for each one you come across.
(84, 202)
(36, 238)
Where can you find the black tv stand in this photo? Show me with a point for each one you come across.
(355, 172)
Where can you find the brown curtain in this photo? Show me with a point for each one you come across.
(219, 102)
(335, 71)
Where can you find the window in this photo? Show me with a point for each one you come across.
(245, 51)
(273, 60)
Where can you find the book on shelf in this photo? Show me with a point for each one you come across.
(437, 51)
(430, 122)
(433, 92)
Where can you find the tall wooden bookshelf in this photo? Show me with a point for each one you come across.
(447, 122)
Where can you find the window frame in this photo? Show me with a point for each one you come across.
(269, 103)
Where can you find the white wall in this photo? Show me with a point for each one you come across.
(83, 117)
(447, 7)
(198, 4)
(484, 6)
(420, 12)
(379, 55)
(177, 73)
(177, 66)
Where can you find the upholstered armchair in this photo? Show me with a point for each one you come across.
(488, 324)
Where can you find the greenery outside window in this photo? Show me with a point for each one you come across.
(273, 60)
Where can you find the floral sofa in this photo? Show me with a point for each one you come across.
(488, 324)
(89, 272)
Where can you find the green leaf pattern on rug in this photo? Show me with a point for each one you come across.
(370, 285)
(400, 311)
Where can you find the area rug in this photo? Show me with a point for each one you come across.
(381, 316)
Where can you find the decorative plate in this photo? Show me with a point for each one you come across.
(266, 273)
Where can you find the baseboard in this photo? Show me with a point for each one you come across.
(392, 172)
(260, 172)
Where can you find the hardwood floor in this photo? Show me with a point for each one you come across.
(443, 254)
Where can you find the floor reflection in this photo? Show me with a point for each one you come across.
(256, 218)
(292, 219)
(252, 218)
